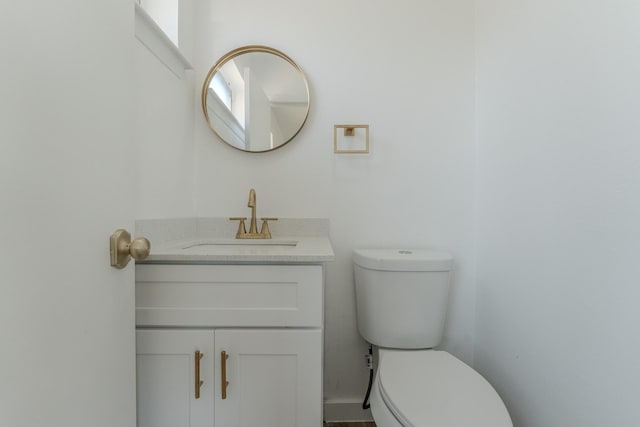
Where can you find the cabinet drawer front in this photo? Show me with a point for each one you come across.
(229, 295)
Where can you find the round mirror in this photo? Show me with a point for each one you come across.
(255, 99)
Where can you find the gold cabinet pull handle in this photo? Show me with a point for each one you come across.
(223, 370)
(199, 382)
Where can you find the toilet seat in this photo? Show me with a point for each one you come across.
(429, 388)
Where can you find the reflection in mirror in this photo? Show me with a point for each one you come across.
(255, 98)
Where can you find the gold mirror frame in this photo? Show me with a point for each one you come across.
(234, 54)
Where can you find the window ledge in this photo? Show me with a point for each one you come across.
(158, 43)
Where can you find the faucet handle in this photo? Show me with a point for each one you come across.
(264, 230)
(242, 230)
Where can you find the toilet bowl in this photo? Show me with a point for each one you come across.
(401, 301)
(430, 388)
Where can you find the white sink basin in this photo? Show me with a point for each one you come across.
(211, 244)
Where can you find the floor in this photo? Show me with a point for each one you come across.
(366, 424)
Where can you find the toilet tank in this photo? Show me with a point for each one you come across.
(401, 296)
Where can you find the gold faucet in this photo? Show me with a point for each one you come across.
(253, 226)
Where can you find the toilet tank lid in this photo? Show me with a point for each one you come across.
(403, 259)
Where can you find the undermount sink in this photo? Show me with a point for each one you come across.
(239, 242)
(211, 241)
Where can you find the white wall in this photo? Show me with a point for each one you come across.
(163, 121)
(166, 14)
(406, 69)
(558, 209)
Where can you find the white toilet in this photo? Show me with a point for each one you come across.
(401, 303)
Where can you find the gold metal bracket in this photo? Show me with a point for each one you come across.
(122, 249)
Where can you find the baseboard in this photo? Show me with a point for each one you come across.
(336, 410)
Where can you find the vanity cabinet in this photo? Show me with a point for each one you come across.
(266, 318)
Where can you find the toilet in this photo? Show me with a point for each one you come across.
(401, 301)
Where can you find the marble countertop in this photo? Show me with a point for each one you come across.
(202, 246)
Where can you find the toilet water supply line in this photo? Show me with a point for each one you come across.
(369, 359)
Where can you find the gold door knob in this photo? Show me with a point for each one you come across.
(140, 248)
(122, 248)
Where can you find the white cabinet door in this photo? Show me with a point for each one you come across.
(275, 378)
(166, 376)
